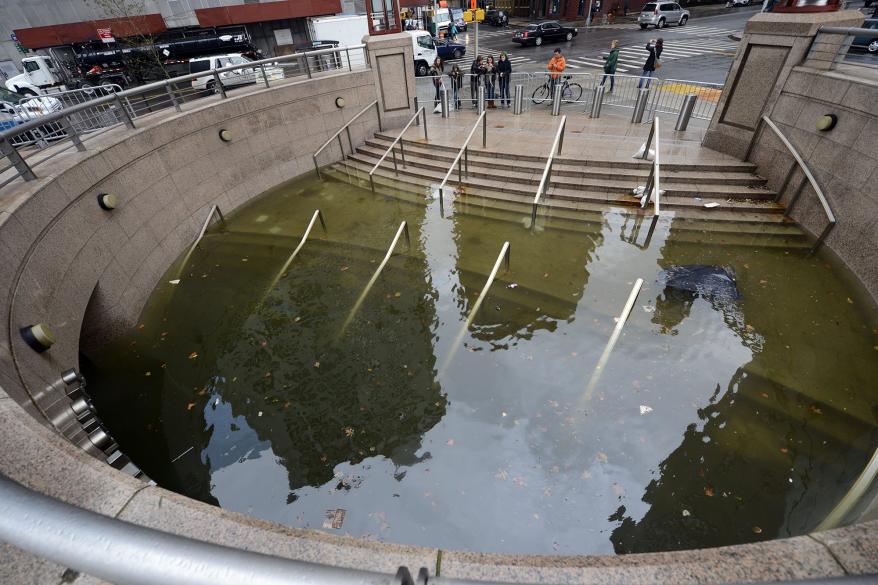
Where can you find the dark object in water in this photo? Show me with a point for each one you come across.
(705, 280)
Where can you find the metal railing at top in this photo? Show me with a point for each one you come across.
(421, 112)
(463, 163)
(126, 106)
(346, 128)
(130, 554)
(557, 145)
(851, 46)
(653, 184)
(807, 178)
(666, 96)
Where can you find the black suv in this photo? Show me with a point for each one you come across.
(536, 34)
(496, 18)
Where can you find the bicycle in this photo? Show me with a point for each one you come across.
(570, 92)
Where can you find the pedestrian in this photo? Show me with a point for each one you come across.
(477, 71)
(490, 82)
(610, 65)
(625, 8)
(557, 65)
(453, 32)
(456, 83)
(504, 69)
(436, 72)
(654, 48)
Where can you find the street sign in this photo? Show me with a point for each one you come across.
(106, 35)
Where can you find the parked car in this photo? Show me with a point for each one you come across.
(740, 3)
(496, 18)
(661, 14)
(537, 34)
(18, 108)
(229, 79)
(868, 44)
(459, 22)
(449, 49)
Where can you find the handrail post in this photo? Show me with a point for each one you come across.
(648, 142)
(264, 76)
(126, 117)
(563, 130)
(402, 152)
(378, 113)
(395, 167)
(74, 136)
(307, 67)
(316, 166)
(348, 53)
(218, 82)
(172, 95)
(466, 160)
(484, 130)
(350, 142)
(424, 114)
(10, 152)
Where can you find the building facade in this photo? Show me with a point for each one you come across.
(275, 27)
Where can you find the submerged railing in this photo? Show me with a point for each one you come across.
(421, 111)
(346, 128)
(463, 163)
(214, 211)
(280, 273)
(402, 230)
(808, 177)
(653, 184)
(852, 497)
(557, 145)
(504, 255)
(617, 331)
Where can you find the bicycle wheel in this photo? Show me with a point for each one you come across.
(572, 93)
(541, 94)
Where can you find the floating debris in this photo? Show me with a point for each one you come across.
(334, 518)
(645, 409)
(175, 281)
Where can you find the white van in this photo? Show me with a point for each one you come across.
(229, 79)
(424, 51)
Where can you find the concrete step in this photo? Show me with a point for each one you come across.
(556, 194)
(590, 169)
(706, 226)
(570, 158)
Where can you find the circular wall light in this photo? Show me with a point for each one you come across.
(107, 201)
(827, 122)
(339, 102)
(38, 337)
(225, 135)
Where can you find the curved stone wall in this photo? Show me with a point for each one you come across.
(61, 254)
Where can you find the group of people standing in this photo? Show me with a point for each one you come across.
(494, 76)
(490, 74)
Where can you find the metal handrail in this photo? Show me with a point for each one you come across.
(830, 216)
(214, 210)
(617, 331)
(317, 215)
(464, 152)
(653, 184)
(504, 255)
(347, 127)
(850, 499)
(421, 111)
(402, 230)
(557, 144)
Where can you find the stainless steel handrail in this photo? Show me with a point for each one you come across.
(214, 210)
(853, 495)
(421, 111)
(557, 144)
(317, 215)
(617, 331)
(464, 152)
(452, 350)
(653, 183)
(347, 127)
(830, 216)
(402, 230)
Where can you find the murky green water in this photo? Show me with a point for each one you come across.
(714, 422)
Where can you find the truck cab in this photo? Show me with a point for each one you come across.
(40, 74)
(423, 49)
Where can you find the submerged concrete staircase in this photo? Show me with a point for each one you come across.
(583, 189)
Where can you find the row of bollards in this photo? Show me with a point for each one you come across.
(640, 105)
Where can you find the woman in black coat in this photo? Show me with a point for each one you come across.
(477, 71)
(654, 47)
(504, 70)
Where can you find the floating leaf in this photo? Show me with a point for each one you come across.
(816, 410)
(602, 457)
(193, 355)
(644, 409)
(686, 513)
(190, 406)
(708, 491)
(757, 530)
(348, 431)
(317, 364)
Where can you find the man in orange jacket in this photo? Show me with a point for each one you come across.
(557, 65)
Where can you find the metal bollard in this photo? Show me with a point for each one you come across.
(686, 112)
(443, 101)
(519, 99)
(640, 106)
(556, 100)
(481, 99)
(597, 102)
